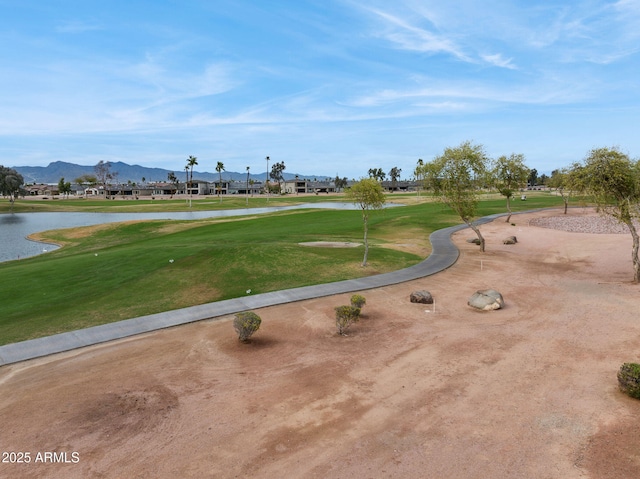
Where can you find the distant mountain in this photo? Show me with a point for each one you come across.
(52, 173)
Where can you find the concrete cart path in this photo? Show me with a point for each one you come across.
(444, 254)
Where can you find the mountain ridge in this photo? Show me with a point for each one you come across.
(55, 170)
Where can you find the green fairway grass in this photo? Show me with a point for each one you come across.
(114, 272)
(101, 205)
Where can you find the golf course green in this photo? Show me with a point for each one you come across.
(113, 272)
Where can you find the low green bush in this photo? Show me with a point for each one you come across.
(629, 379)
(245, 324)
(345, 316)
(358, 301)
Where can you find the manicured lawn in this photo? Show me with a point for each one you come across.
(114, 272)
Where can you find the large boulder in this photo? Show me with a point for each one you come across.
(486, 300)
(423, 297)
(510, 240)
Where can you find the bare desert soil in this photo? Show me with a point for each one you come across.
(529, 391)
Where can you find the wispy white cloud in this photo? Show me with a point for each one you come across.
(628, 7)
(471, 95)
(409, 37)
(111, 95)
(340, 79)
(588, 31)
(426, 31)
(77, 26)
(499, 61)
(171, 85)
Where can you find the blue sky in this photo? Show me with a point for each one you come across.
(328, 86)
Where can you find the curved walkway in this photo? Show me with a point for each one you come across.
(444, 254)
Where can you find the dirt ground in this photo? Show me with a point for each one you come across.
(414, 391)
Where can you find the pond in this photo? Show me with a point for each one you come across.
(15, 227)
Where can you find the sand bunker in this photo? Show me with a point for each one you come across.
(330, 244)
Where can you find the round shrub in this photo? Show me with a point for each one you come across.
(345, 315)
(629, 379)
(358, 301)
(245, 324)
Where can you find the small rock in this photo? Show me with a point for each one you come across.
(510, 240)
(474, 240)
(486, 300)
(423, 297)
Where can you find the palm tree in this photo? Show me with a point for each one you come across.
(419, 175)
(267, 189)
(247, 186)
(171, 178)
(191, 162)
(186, 180)
(394, 174)
(220, 169)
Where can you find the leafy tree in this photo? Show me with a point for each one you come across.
(533, 177)
(191, 162)
(11, 184)
(86, 180)
(427, 174)
(377, 173)
(341, 183)
(394, 174)
(173, 179)
(456, 176)
(543, 179)
(103, 173)
(508, 175)
(367, 194)
(277, 174)
(561, 181)
(64, 187)
(613, 181)
(345, 316)
(246, 323)
(220, 169)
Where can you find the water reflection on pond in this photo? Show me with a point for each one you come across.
(15, 227)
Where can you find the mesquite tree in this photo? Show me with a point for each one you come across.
(508, 175)
(367, 194)
(613, 181)
(456, 177)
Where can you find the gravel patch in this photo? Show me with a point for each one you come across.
(589, 223)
